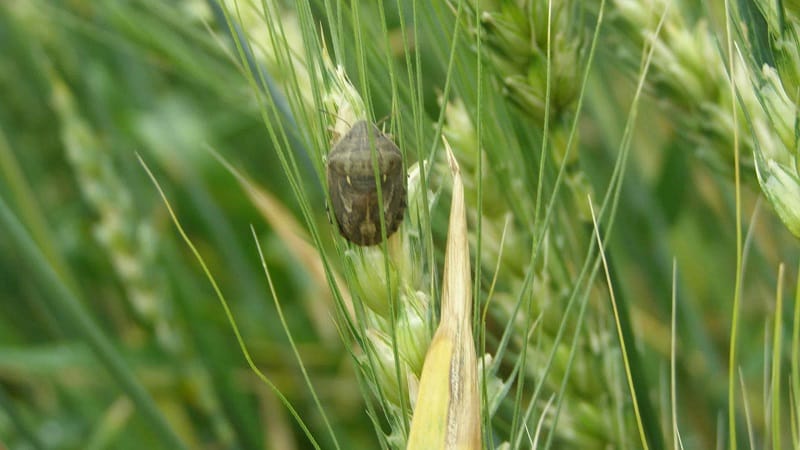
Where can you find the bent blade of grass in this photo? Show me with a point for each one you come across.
(291, 339)
(540, 423)
(623, 346)
(227, 310)
(646, 419)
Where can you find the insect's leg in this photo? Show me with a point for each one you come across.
(328, 213)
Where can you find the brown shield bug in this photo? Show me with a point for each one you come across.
(352, 187)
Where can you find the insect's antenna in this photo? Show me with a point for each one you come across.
(383, 119)
(349, 125)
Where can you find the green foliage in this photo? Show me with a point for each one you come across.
(651, 127)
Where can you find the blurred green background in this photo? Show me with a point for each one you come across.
(109, 328)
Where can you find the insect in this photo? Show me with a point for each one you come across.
(351, 183)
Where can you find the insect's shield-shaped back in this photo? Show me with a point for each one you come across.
(367, 185)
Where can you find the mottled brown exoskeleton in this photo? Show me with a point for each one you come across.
(354, 193)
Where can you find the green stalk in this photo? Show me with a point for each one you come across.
(737, 291)
(775, 380)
